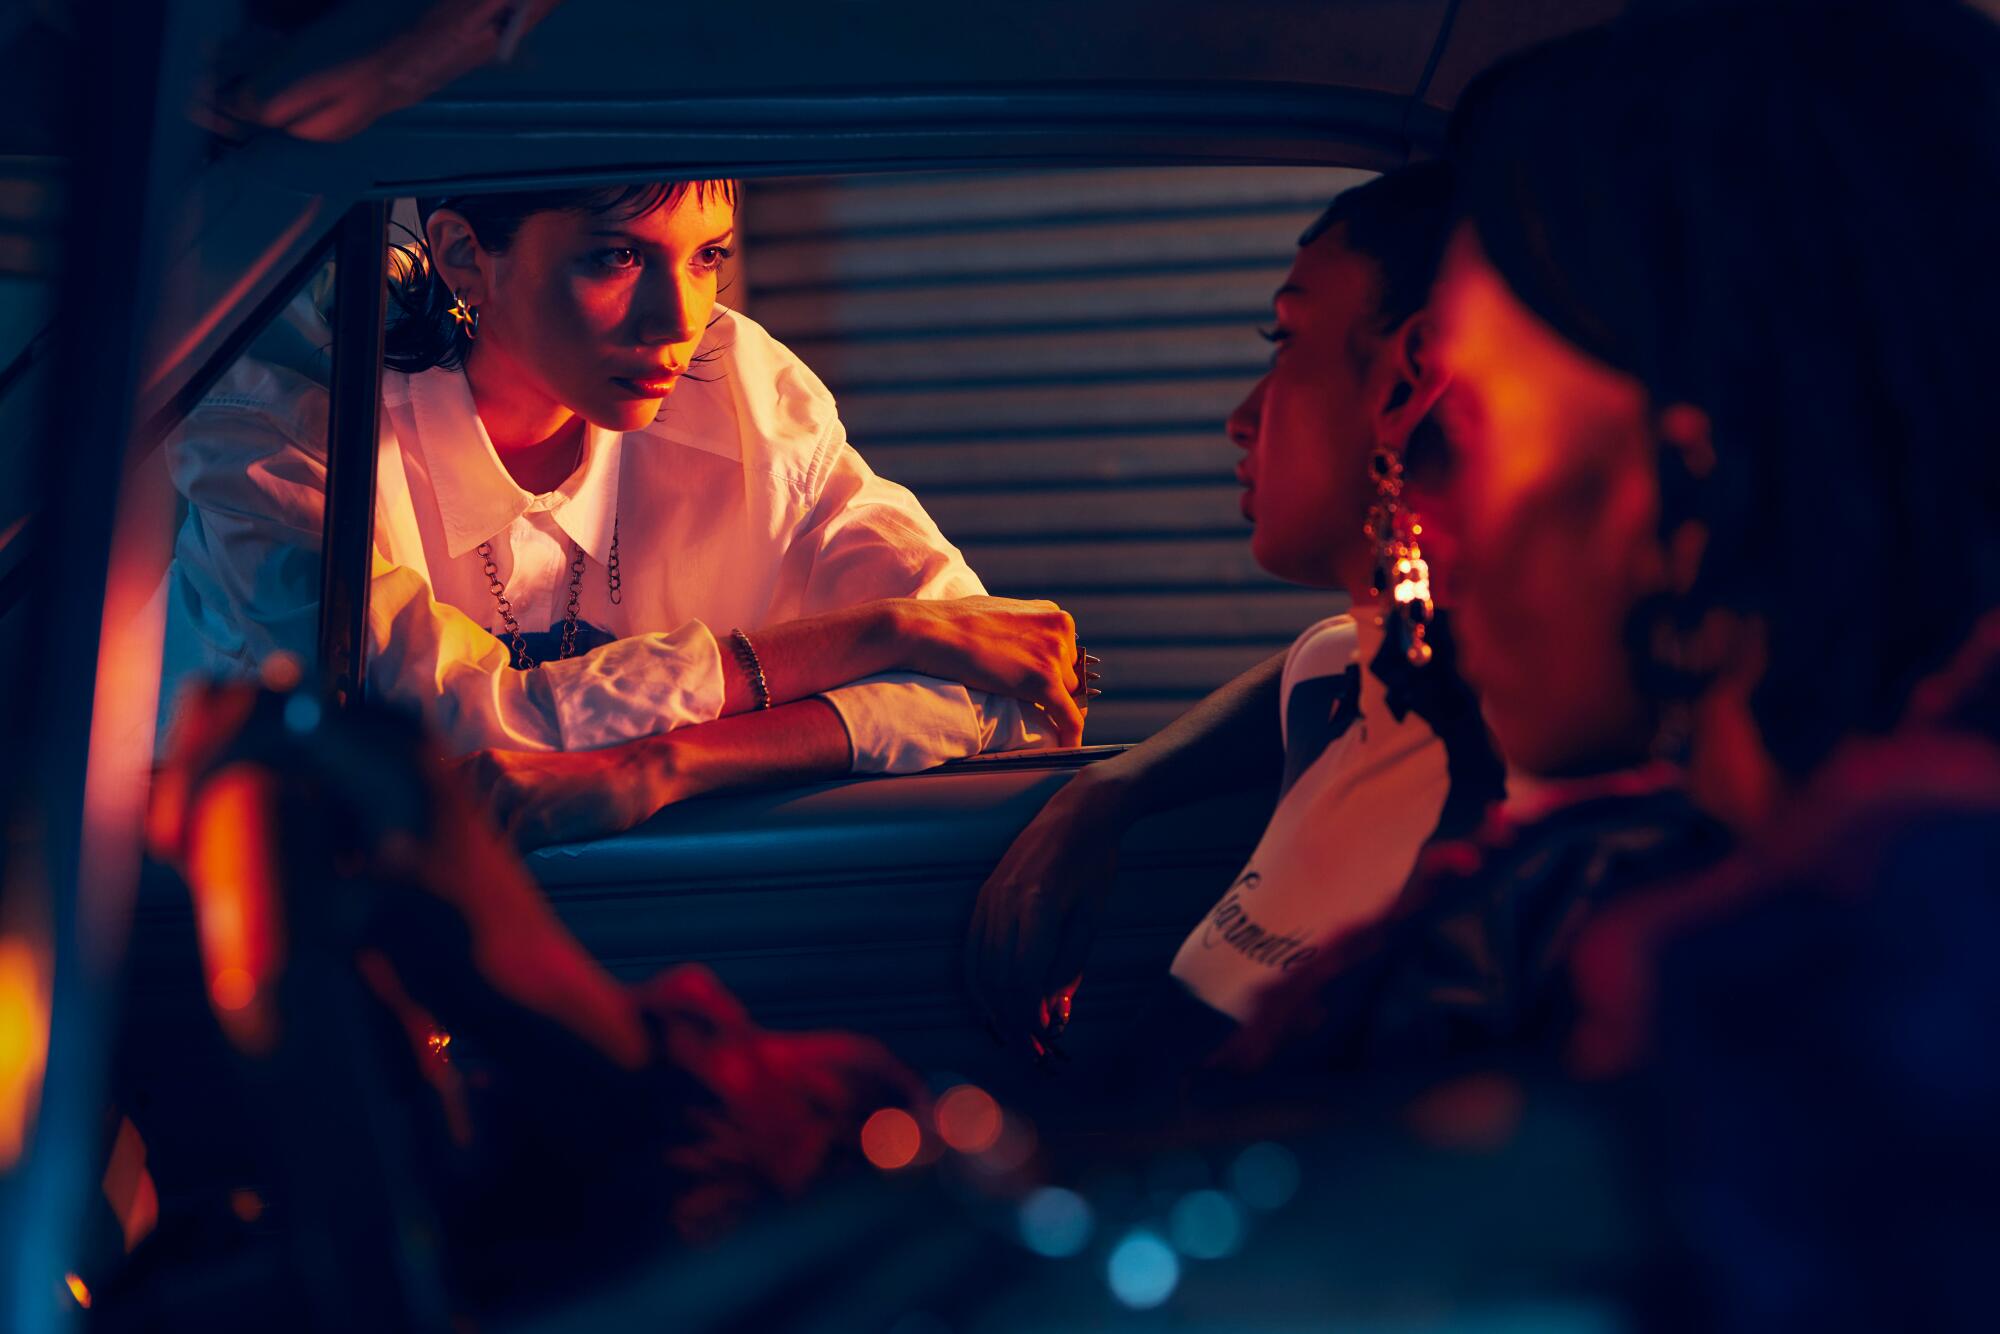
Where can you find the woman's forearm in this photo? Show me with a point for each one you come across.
(800, 742)
(1025, 650)
(802, 658)
(542, 797)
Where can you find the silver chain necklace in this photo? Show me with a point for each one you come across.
(521, 658)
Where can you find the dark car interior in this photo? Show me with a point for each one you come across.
(1026, 248)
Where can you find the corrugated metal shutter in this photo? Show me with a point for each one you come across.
(1047, 358)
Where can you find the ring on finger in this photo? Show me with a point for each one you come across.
(1086, 678)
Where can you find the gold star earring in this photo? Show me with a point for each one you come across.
(466, 317)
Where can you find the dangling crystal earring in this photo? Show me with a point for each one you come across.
(1400, 568)
(466, 317)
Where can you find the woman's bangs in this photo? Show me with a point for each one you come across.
(627, 202)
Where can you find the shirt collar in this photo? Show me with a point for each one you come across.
(477, 497)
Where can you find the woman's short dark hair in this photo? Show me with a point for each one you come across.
(1782, 213)
(1400, 221)
(421, 333)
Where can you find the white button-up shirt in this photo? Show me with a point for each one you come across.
(742, 505)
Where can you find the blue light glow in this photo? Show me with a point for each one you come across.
(1143, 1271)
(1055, 1222)
(302, 713)
(1206, 1225)
(1265, 1176)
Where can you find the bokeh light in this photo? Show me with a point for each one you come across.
(1143, 1271)
(1473, 1113)
(1206, 1225)
(968, 1119)
(890, 1139)
(246, 1204)
(1011, 1149)
(281, 672)
(1055, 1222)
(302, 713)
(79, 1290)
(1265, 1176)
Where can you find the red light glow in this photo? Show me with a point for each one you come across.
(1474, 1113)
(968, 1119)
(231, 867)
(1012, 1150)
(890, 1139)
(128, 1186)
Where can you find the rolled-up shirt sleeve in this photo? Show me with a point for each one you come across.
(870, 538)
(251, 463)
(433, 653)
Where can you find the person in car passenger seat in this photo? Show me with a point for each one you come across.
(609, 513)
(1377, 745)
(1723, 486)
(1721, 317)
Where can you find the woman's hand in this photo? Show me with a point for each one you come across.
(542, 797)
(789, 1102)
(1000, 646)
(1003, 646)
(1038, 912)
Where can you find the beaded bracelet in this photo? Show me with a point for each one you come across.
(746, 654)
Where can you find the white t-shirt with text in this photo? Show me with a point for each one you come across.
(1363, 792)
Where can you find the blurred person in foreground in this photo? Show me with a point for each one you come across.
(1719, 321)
(436, 1088)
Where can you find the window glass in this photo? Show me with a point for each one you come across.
(1045, 358)
(247, 468)
(23, 315)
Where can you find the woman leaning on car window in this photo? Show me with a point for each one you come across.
(610, 509)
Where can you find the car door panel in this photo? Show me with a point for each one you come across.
(846, 904)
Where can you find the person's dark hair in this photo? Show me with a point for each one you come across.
(1400, 221)
(421, 333)
(1781, 213)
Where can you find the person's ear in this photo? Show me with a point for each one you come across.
(461, 264)
(1413, 380)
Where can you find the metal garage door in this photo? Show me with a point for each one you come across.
(1046, 358)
